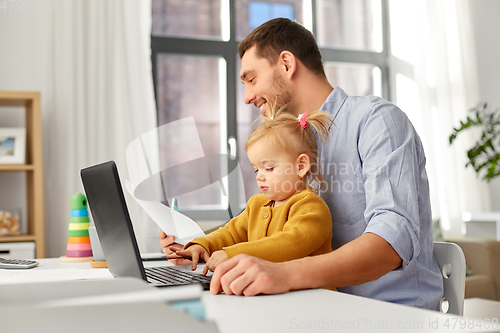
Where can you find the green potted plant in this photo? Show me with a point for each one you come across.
(485, 154)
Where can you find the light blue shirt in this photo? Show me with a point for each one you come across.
(374, 167)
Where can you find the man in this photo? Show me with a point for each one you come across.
(377, 188)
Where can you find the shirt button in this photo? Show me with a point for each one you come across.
(266, 215)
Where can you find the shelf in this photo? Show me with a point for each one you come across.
(17, 238)
(35, 210)
(16, 167)
(18, 98)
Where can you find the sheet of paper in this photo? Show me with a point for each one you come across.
(170, 221)
(40, 275)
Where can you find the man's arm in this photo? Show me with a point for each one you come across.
(362, 260)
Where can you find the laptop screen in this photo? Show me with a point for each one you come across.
(112, 220)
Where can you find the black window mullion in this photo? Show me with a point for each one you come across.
(386, 51)
(232, 121)
(357, 57)
(192, 46)
(314, 18)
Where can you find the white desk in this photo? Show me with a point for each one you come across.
(310, 310)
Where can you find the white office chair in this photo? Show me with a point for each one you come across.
(451, 261)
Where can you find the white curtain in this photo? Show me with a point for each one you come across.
(436, 83)
(100, 98)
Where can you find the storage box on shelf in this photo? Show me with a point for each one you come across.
(17, 250)
(33, 168)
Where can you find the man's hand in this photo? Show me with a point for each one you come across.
(195, 252)
(250, 276)
(216, 258)
(364, 259)
(169, 248)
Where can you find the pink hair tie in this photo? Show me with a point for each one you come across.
(302, 119)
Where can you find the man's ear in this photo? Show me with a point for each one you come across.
(288, 62)
(304, 164)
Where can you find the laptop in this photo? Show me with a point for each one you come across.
(116, 234)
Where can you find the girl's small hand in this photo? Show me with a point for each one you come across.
(195, 252)
(215, 259)
(169, 248)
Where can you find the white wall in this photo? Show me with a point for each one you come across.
(486, 25)
(22, 67)
(47, 51)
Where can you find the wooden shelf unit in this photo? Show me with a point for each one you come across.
(35, 204)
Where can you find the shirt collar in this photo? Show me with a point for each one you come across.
(335, 101)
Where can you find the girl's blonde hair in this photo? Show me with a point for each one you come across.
(285, 131)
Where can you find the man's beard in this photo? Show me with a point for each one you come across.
(278, 94)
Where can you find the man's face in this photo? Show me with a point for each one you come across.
(263, 82)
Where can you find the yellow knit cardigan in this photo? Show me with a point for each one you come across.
(300, 227)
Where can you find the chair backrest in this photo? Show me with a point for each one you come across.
(451, 261)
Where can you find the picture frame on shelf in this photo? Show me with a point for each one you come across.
(12, 145)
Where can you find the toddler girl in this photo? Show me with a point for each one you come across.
(288, 220)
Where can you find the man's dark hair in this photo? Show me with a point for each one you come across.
(281, 34)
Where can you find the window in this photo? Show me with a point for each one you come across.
(196, 73)
(350, 24)
(180, 79)
(262, 11)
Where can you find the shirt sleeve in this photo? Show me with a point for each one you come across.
(308, 228)
(235, 231)
(393, 162)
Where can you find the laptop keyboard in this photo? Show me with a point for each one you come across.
(172, 276)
